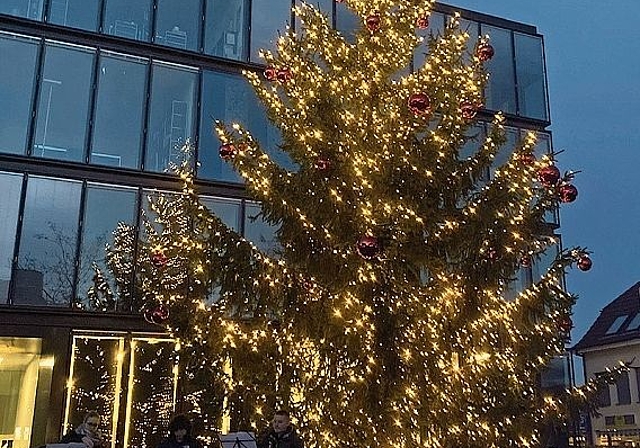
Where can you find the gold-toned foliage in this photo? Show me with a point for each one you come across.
(412, 344)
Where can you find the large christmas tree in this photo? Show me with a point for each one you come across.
(388, 315)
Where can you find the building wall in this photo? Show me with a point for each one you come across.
(614, 410)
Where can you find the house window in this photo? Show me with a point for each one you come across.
(610, 420)
(635, 323)
(622, 386)
(615, 326)
(604, 396)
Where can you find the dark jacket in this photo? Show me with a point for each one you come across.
(76, 436)
(286, 439)
(171, 442)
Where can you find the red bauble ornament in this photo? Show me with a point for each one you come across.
(422, 22)
(492, 254)
(419, 103)
(584, 263)
(156, 315)
(468, 110)
(566, 324)
(270, 73)
(228, 151)
(527, 159)
(549, 175)
(368, 247)
(568, 193)
(485, 52)
(323, 164)
(373, 22)
(525, 261)
(159, 259)
(284, 75)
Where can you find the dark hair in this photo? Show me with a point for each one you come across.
(90, 414)
(180, 421)
(282, 412)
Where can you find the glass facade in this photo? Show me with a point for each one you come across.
(93, 120)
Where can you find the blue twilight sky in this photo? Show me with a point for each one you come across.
(593, 66)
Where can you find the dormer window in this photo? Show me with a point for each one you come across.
(615, 326)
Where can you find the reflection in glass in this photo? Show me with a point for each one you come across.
(259, 232)
(17, 72)
(532, 99)
(435, 28)
(129, 19)
(224, 97)
(178, 24)
(10, 185)
(347, 22)
(171, 120)
(324, 6)
(474, 138)
(152, 375)
(227, 210)
(24, 375)
(117, 135)
(501, 89)
(504, 153)
(231, 99)
(225, 28)
(81, 14)
(105, 207)
(31, 9)
(64, 103)
(96, 370)
(268, 17)
(46, 259)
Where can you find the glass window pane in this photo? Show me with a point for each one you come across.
(532, 99)
(63, 107)
(117, 134)
(325, 6)
(224, 97)
(97, 365)
(504, 153)
(542, 265)
(268, 17)
(126, 18)
(501, 89)
(31, 9)
(10, 185)
(81, 14)
(347, 22)
(178, 24)
(24, 384)
(105, 207)
(436, 27)
(17, 71)
(48, 243)
(623, 388)
(227, 210)
(152, 375)
(225, 29)
(260, 233)
(171, 116)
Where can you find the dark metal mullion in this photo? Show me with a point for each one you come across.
(101, 13)
(46, 6)
(79, 239)
(16, 243)
(203, 24)
(248, 17)
(152, 30)
(136, 248)
(198, 114)
(88, 144)
(514, 64)
(146, 116)
(547, 110)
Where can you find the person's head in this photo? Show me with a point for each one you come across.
(180, 427)
(91, 420)
(281, 421)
